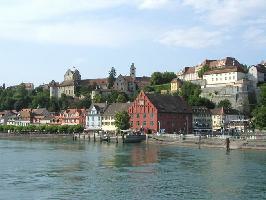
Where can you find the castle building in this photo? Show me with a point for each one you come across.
(72, 80)
(126, 84)
(68, 87)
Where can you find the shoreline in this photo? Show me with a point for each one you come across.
(34, 135)
(218, 143)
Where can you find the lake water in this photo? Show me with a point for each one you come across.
(63, 169)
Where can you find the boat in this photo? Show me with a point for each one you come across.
(104, 137)
(133, 137)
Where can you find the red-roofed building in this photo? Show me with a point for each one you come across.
(73, 117)
(156, 112)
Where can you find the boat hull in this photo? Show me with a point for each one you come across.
(134, 138)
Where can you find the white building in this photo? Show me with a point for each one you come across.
(108, 118)
(189, 74)
(94, 117)
(224, 77)
(222, 117)
(257, 74)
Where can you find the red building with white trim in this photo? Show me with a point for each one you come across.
(156, 112)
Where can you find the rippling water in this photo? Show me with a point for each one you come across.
(49, 169)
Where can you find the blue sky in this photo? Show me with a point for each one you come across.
(41, 39)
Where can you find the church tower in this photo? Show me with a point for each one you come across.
(133, 71)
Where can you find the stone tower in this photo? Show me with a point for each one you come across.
(133, 71)
(54, 92)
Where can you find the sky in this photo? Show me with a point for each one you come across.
(41, 39)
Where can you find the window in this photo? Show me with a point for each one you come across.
(144, 115)
(152, 123)
(225, 78)
(144, 123)
(138, 115)
(152, 115)
(138, 123)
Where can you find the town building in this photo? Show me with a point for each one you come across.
(257, 73)
(157, 112)
(41, 116)
(68, 86)
(8, 116)
(191, 73)
(222, 118)
(72, 82)
(94, 116)
(108, 118)
(73, 117)
(224, 76)
(129, 84)
(176, 85)
(202, 119)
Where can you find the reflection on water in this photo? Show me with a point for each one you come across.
(63, 169)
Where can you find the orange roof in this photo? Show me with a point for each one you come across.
(189, 70)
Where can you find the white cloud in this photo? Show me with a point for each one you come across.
(195, 37)
(31, 10)
(153, 4)
(108, 33)
(53, 21)
(228, 12)
(255, 36)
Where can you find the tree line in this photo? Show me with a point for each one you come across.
(51, 129)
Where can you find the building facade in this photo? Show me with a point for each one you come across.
(94, 116)
(202, 119)
(73, 117)
(176, 85)
(156, 112)
(108, 118)
(222, 118)
(223, 77)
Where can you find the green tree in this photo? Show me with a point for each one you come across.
(204, 69)
(122, 120)
(224, 103)
(111, 77)
(84, 103)
(156, 78)
(98, 98)
(259, 117)
(121, 98)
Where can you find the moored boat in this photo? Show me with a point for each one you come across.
(131, 137)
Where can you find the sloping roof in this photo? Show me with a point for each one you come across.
(225, 70)
(100, 107)
(169, 103)
(261, 68)
(25, 113)
(224, 111)
(67, 83)
(113, 108)
(228, 61)
(200, 109)
(176, 80)
(189, 70)
(99, 81)
(142, 81)
(74, 111)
